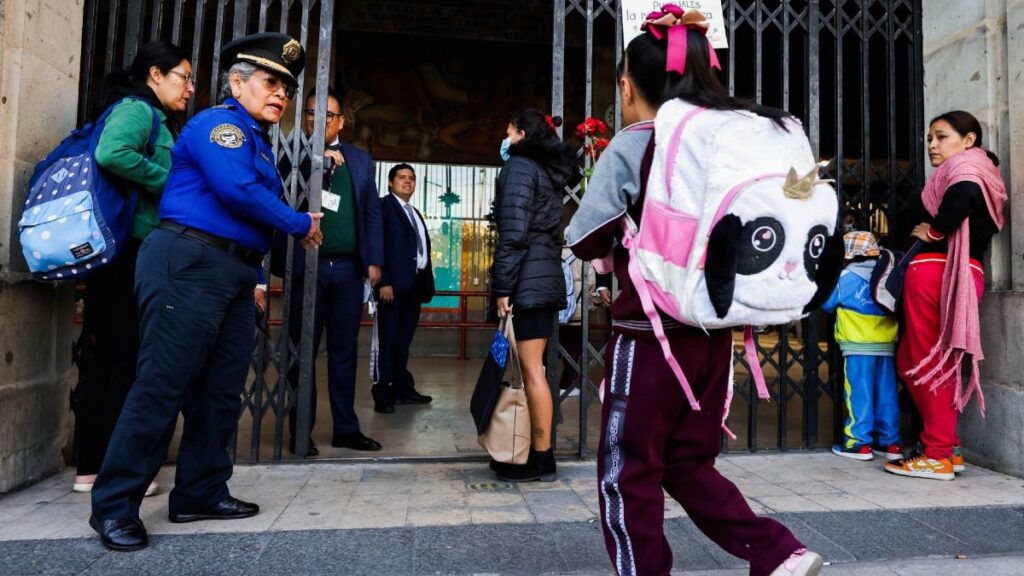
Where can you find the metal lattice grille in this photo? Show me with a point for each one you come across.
(851, 70)
(114, 31)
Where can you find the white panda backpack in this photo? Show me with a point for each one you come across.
(735, 226)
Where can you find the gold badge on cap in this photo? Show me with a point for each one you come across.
(228, 136)
(290, 52)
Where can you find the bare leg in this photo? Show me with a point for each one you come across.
(538, 395)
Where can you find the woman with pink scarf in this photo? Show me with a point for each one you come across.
(958, 212)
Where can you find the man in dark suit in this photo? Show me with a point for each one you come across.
(407, 282)
(351, 253)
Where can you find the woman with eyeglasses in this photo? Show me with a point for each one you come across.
(195, 283)
(135, 149)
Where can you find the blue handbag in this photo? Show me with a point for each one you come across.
(488, 384)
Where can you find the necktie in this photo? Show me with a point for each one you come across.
(416, 227)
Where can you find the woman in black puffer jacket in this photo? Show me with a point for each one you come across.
(527, 274)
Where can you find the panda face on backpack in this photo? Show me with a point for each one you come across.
(731, 234)
(736, 222)
(764, 254)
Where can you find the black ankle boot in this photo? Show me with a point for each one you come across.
(546, 464)
(539, 467)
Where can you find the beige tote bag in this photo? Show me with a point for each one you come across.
(507, 438)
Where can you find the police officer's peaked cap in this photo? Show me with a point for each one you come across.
(272, 51)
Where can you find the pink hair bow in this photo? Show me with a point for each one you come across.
(673, 22)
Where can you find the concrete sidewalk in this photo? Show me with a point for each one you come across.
(394, 518)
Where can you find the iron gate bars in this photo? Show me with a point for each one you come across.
(113, 32)
(852, 71)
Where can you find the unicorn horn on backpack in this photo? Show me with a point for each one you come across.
(799, 188)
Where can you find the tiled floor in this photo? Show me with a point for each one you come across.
(343, 496)
(443, 428)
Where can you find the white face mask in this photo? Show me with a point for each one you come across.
(505, 145)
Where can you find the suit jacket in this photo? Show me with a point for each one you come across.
(368, 215)
(400, 251)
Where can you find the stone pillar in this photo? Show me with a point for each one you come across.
(40, 46)
(972, 61)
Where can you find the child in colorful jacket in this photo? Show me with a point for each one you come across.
(867, 336)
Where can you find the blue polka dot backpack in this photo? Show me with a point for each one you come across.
(75, 219)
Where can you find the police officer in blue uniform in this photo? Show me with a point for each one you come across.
(195, 284)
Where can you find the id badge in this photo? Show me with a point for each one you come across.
(330, 201)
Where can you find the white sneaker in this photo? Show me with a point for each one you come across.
(802, 563)
(83, 483)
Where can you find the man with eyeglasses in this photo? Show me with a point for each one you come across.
(352, 252)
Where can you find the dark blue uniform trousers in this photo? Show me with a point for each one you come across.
(196, 314)
(397, 324)
(339, 309)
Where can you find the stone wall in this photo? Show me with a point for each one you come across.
(40, 45)
(974, 61)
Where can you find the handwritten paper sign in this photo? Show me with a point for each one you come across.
(634, 13)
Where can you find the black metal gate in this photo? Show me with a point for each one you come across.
(115, 29)
(850, 69)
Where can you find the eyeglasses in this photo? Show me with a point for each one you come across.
(273, 84)
(310, 112)
(186, 79)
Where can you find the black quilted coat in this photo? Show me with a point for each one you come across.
(527, 262)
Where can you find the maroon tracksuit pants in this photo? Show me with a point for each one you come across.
(651, 439)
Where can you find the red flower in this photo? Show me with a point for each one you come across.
(590, 127)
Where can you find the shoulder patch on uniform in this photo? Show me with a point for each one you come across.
(228, 136)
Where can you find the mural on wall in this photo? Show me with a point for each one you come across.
(436, 100)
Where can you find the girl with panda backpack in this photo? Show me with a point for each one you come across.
(656, 437)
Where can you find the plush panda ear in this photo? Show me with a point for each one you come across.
(830, 266)
(720, 265)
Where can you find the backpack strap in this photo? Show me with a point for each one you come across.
(635, 213)
(652, 315)
(752, 362)
(673, 146)
(154, 131)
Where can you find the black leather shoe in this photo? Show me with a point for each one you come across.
(121, 534)
(312, 451)
(383, 401)
(227, 509)
(355, 441)
(413, 397)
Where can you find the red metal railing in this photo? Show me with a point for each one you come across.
(463, 324)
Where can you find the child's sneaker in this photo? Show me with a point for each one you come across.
(922, 467)
(891, 452)
(958, 460)
(859, 453)
(801, 563)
